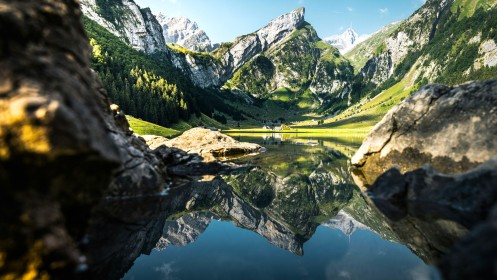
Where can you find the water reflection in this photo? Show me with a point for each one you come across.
(298, 194)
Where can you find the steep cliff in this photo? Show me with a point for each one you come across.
(125, 19)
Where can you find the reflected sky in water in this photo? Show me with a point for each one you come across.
(224, 251)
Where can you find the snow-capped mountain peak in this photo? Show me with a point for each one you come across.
(346, 41)
(184, 32)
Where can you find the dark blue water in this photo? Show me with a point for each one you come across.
(224, 251)
(335, 234)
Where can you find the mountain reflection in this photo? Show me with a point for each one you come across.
(282, 195)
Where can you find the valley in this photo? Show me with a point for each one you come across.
(136, 144)
(297, 78)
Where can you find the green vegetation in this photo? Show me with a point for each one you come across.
(149, 87)
(254, 77)
(113, 11)
(142, 87)
(370, 47)
(366, 114)
(145, 128)
(200, 57)
(452, 41)
(467, 8)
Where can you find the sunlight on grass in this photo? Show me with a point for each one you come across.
(145, 128)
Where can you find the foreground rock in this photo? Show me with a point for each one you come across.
(452, 128)
(62, 146)
(210, 145)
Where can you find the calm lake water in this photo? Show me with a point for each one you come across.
(292, 212)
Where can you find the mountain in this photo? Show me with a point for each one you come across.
(184, 32)
(124, 18)
(444, 41)
(301, 65)
(346, 41)
(286, 67)
(441, 39)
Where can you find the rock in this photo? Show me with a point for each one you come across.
(154, 141)
(211, 145)
(234, 55)
(452, 128)
(62, 145)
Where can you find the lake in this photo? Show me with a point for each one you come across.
(292, 212)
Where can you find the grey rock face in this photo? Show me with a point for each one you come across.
(453, 128)
(377, 69)
(184, 230)
(412, 34)
(184, 32)
(248, 46)
(345, 223)
(240, 52)
(138, 27)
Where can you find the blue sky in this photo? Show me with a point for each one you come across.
(224, 20)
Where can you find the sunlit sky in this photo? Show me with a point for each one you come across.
(224, 20)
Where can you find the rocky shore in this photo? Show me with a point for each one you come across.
(433, 157)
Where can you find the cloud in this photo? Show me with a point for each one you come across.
(173, 1)
(383, 11)
(167, 269)
(341, 28)
(350, 9)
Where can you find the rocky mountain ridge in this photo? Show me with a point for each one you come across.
(286, 60)
(267, 49)
(184, 32)
(125, 19)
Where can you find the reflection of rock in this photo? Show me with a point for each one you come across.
(475, 256)
(209, 144)
(451, 128)
(120, 232)
(430, 211)
(465, 198)
(428, 238)
(184, 230)
(344, 222)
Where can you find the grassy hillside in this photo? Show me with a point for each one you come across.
(452, 56)
(146, 128)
